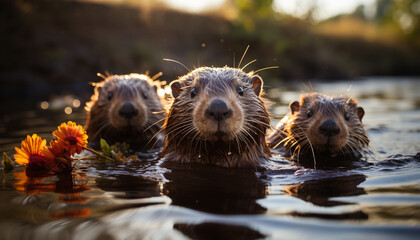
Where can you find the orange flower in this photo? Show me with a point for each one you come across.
(57, 148)
(63, 160)
(35, 152)
(73, 136)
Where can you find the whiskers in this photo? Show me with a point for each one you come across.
(242, 58)
(297, 141)
(178, 62)
(266, 68)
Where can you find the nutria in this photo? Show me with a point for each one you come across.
(218, 117)
(320, 127)
(126, 108)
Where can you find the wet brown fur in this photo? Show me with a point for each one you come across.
(299, 135)
(191, 137)
(103, 120)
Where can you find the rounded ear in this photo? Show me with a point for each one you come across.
(176, 88)
(155, 88)
(257, 84)
(294, 107)
(360, 113)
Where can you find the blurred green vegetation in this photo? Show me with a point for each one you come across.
(59, 46)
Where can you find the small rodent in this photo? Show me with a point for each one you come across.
(320, 127)
(218, 117)
(126, 108)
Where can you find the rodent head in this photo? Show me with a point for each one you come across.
(220, 100)
(328, 125)
(218, 111)
(123, 104)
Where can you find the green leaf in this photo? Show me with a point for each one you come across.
(7, 162)
(105, 148)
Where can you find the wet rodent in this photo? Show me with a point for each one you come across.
(217, 117)
(321, 129)
(126, 108)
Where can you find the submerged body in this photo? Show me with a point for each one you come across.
(217, 117)
(126, 108)
(321, 129)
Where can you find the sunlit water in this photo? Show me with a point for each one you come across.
(377, 199)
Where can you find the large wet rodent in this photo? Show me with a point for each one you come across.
(319, 128)
(218, 117)
(126, 108)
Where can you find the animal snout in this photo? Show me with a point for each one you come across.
(218, 110)
(128, 110)
(329, 128)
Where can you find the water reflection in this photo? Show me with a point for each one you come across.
(69, 187)
(376, 198)
(323, 192)
(129, 187)
(214, 189)
(218, 231)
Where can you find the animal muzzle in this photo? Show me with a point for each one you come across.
(218, 110)
(329, 128)
(128, 111)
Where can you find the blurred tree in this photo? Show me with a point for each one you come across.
(311, 12)
(383, 7)
(401, 14)
(260, 8)
(359, 12)
(248, 11)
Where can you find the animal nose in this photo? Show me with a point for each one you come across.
(329, 128)
(128, 110)
(218, 110)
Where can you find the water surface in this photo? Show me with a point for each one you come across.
(375, 199)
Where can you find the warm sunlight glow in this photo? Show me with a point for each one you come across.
(194, 6)
(76, 103)
(68, 110)
(168, 90)
(325, 8)
(161, 92)
(44, 105)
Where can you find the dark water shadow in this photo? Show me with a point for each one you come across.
(211, 230)
(214, 189)
(321, 191)
(129, 187)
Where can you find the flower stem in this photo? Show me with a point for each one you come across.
(98, 153)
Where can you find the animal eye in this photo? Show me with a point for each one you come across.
(347, 116)
(110, 95)
(145, 95)
(309, 113)
(240, 90)
(193, 92)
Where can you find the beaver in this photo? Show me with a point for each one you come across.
(126, 108)
(218, 116)
(321, 128)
